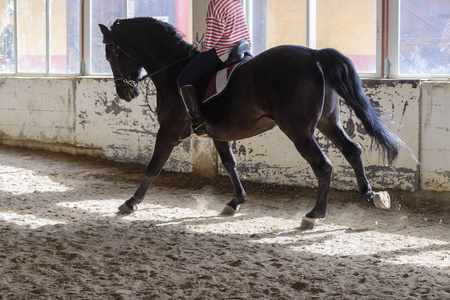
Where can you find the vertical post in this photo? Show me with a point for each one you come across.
(85, 36)
(393, 37)
(16, 51)
(181, 16)
(248, 8)
(47, 36)
(130, 7)
(82, 63)
(384, 38)
(311, 11)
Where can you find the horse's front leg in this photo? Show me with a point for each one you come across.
(163, 149)
(229, 163)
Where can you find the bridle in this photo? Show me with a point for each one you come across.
(123, 79)
(129, 80)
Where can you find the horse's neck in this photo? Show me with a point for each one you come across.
(160, 57)
(165, 67)
(165, 81)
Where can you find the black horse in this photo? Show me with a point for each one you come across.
(294, 87)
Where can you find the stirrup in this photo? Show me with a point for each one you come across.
(187, 135)
(200, 130)
(193, 133)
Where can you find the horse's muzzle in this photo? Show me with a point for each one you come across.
(127, 93)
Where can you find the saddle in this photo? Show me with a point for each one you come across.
(240, 51)
(215, 84)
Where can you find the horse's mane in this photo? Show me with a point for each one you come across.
(155, 28)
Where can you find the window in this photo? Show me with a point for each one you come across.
(351, 27)
(64, 40)
(31, 36)
(7, 46)
(44, 37)
(347, 25)
(102, 12)
(424, 44)
(285, 22)
(40, 36)
(382, 37)
(418, 32)
(106, 12)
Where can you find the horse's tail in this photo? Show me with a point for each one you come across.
(340, 74)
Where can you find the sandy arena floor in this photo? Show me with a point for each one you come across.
(60, 238)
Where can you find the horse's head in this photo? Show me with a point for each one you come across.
(125, 67)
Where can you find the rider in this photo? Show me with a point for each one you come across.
(225, 26)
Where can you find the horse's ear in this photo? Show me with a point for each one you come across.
(107, 37)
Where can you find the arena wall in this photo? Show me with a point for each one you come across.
(85, 115)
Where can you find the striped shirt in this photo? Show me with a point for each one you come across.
(225, 26)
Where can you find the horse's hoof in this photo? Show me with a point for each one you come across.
(126, 209)
(229, 211)
(308, 223)
(382, 200)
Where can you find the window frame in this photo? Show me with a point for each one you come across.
(387, 43)
(47, 72)
(311, 27)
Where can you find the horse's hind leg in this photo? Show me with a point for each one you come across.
(352, 153)
(229, 163)
(308, 147)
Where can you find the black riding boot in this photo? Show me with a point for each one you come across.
(190, 98)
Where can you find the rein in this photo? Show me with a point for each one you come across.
(165, 68)
(128, 80)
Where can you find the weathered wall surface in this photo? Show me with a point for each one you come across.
(272, 157)
(124, 131)
(87, 113)
(435, 136)
(36, 109)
